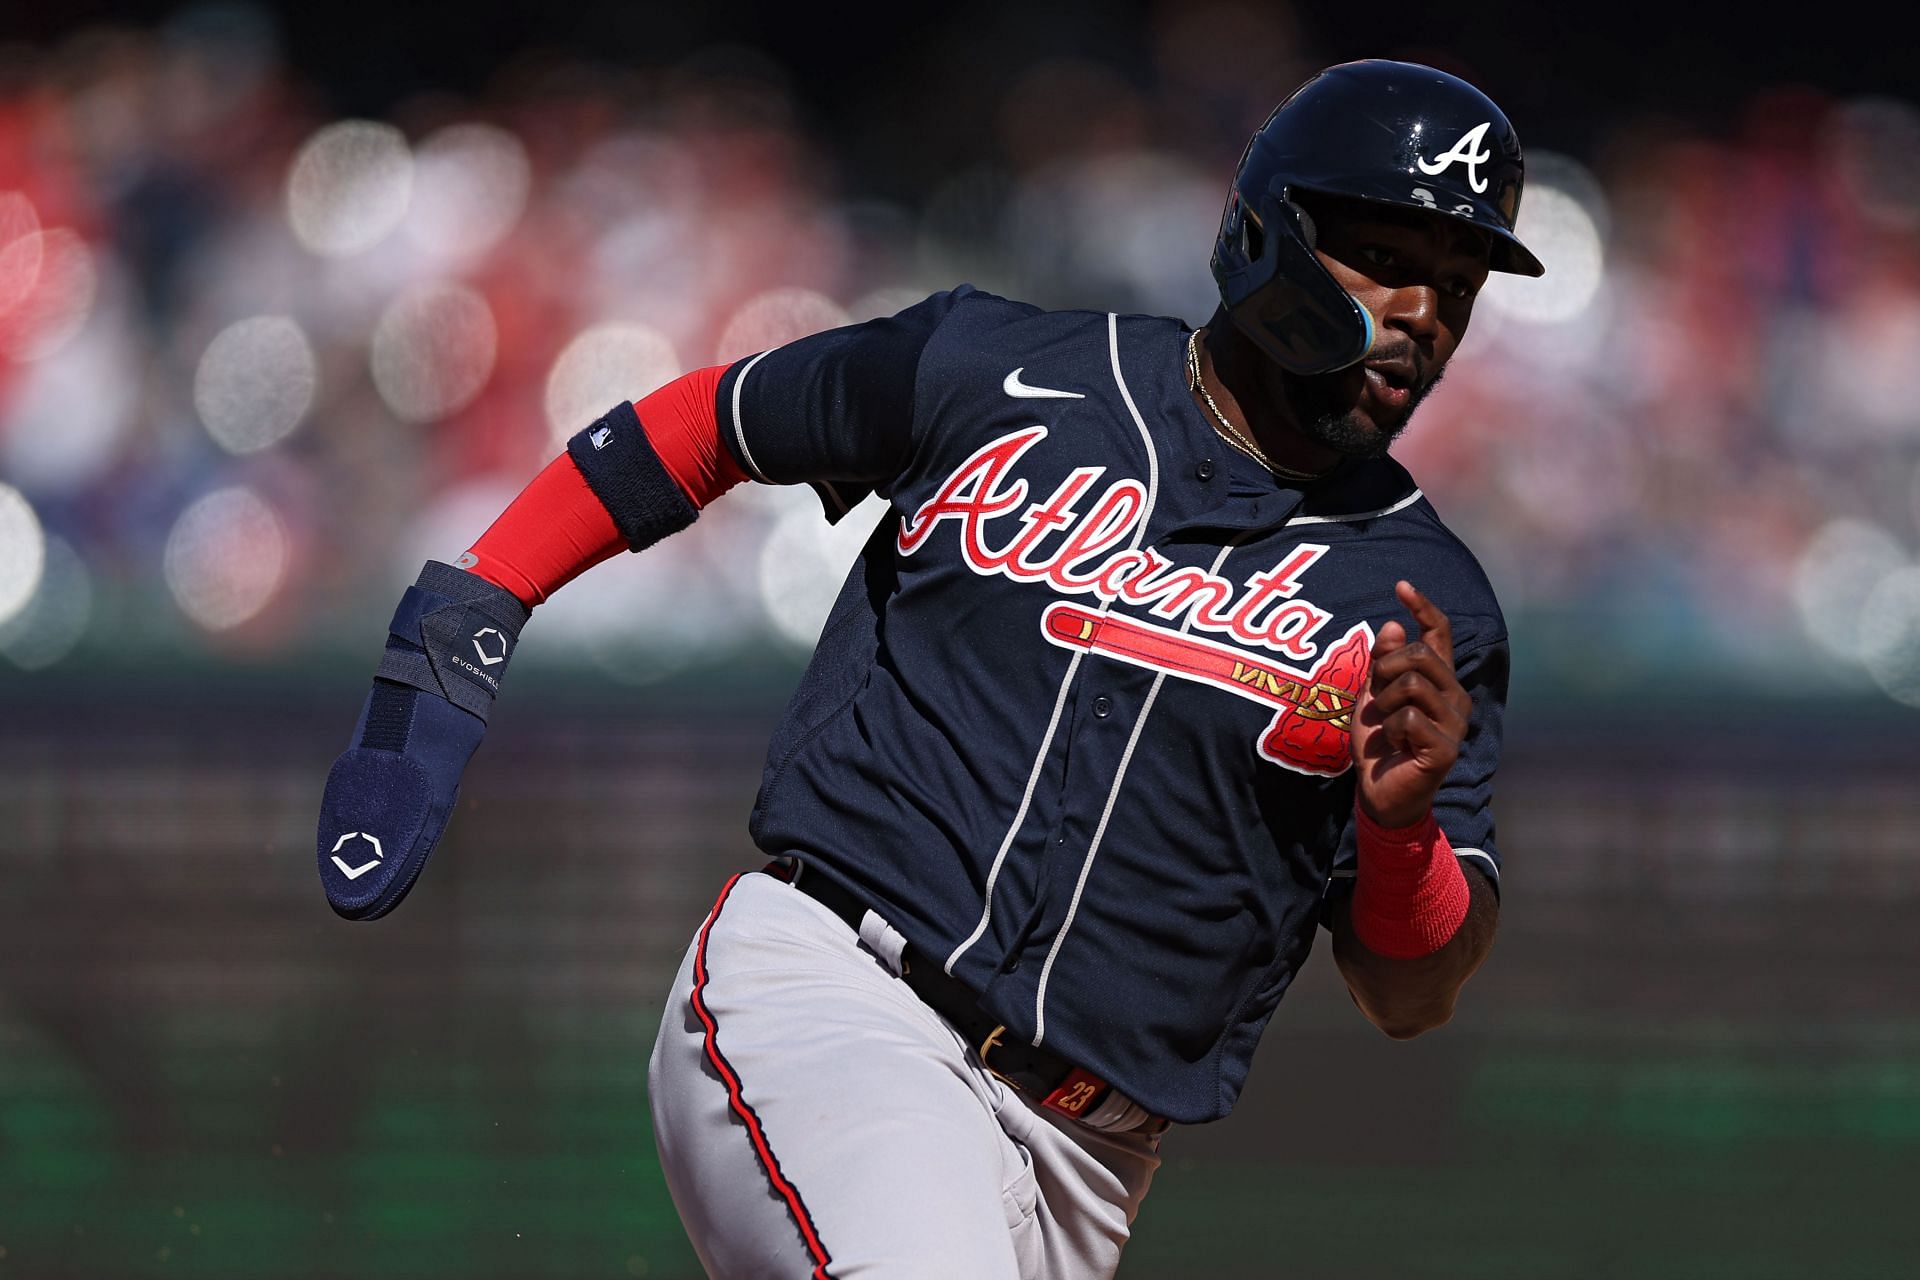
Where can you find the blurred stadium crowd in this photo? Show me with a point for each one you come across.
(257, 363)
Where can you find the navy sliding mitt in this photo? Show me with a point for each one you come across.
(389, 795)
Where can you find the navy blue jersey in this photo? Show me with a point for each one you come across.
(1077, 723)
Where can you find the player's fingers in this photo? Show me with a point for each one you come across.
(1416, 655)
(1415, 733)
(1392, 637)
(1368, 738)
(1436, 630)
(1414, 690)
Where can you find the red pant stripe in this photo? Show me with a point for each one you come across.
(786, 1190)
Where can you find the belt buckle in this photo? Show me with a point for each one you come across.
(986, 1048)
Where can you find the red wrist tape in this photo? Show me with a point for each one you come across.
(1409, 894)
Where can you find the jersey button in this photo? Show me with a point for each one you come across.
(1102, 706)
(1204, 470)
(1010, 964)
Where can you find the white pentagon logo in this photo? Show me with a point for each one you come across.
(491, 660)
(354, 873)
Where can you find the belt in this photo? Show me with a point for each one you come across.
(1056, 1083)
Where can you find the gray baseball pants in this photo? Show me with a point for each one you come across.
(815, 1118)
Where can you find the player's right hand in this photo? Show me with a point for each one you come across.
(388, 797)
(1411, 716)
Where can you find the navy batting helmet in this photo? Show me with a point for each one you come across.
(1390, 132)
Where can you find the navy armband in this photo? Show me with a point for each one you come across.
(625, 473)
(452, 635)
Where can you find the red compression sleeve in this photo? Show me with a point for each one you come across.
(1409, 895)
(684, 430)
(557, 529)
(552, 533)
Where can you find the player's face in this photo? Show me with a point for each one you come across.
(1418, 274)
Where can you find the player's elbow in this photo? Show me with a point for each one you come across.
(1408, 1028)
(1406, 1023)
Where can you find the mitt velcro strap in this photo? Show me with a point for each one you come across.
(452, 635)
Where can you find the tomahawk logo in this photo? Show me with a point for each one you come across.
(490, 659)
(354, 873)
(1466, 151)
(1313, 709)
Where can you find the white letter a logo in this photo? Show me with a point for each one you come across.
(1464, 152)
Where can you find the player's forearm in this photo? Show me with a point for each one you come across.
(1405, 997)
(638, 474)
(553, 531)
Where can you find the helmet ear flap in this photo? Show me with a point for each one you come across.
(1296, 312)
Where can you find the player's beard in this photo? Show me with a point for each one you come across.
(1317, 404)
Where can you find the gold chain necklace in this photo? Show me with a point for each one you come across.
(1234, 436)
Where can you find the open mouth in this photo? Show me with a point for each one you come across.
(1398, 374)
(1390, 383)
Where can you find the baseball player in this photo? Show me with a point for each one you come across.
(1156, 664)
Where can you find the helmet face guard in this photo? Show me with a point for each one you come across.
(1279, 294)
(1392, 133)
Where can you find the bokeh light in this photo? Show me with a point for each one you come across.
(1838, 570)
(888, 301)
(1890, 635)
(56, 619)
(60, 299)
(776, 317)
(225, 557)
(639, 619)
(804, 562)
(1876, 145)
(470, 185)
(1694, 400)
(643, 618)
(349, 187)
(433, 351)
(599, 368)
(68, 417)
(1866, 363)
(20, 249)
(443, 526)
(23, 552)
(255, 383)
(1562, 220)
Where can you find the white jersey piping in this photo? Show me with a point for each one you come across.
(1066, 681)
(1493, 868)
(1100, 831)
(739, 428)
(1401, 505)
(1019, 815)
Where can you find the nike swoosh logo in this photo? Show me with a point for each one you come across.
(354, 873)
(1020, 390)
